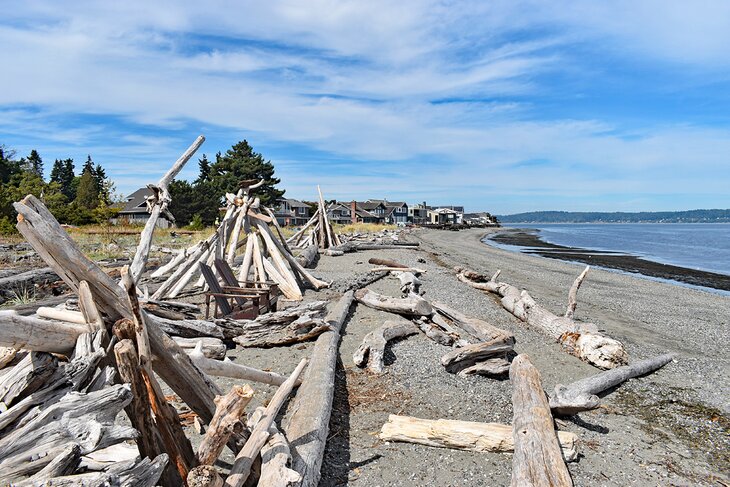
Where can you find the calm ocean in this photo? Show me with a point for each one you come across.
(703, 246)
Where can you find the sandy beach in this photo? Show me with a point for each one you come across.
(670, 428)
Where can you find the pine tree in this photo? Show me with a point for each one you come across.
(240, 162)
(34, 163)
(57, 172)
(87, 194)
(204, 174)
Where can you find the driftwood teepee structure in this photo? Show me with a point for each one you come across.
(318, 230)
(267, 256)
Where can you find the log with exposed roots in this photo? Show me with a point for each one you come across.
(371, 352)
(580, 339)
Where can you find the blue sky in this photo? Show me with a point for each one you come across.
(503, 106)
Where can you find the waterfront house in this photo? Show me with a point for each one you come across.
(292, 212)
(134, 211)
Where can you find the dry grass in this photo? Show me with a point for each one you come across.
(363, 228)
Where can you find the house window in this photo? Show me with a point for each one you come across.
(302, 211)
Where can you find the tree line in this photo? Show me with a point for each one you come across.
(89, 197)
(73, 198)
(688, 216)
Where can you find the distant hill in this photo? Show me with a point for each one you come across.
(689, 216)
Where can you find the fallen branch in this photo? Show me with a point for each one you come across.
(226, 368)
(412, 305)
(228, 413)
(581, 395)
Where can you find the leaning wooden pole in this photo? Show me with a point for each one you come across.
(537, 460)
(156, 205)
(308, 425)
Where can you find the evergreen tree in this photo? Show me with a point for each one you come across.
(87, 194)
(63, 174)
(34, 163)
(57, 171)
(8, 167)
(204, 174)
(240, 162)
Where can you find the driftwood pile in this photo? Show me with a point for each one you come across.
(318, 231)
(59, 401)
(267, 256)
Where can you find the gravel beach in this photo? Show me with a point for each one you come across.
(670, 428)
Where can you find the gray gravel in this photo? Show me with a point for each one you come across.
(670, 428)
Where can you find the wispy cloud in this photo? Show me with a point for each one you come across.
(453, 100)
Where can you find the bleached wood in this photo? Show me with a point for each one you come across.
(308, 424)
(229, 410)
(573, 293)
(7, 354)
(581, 395)
(174, 262)
(28, 375)
(462, 435)
(157, 204)
(580, 339)
(88, 308)
(470, 354)
(275, 458)
(537, 460)
(412, 305)
(371, 352)
(247, 259)
(62, 315)
(493, 367)
(481, 329)
(30, 333)
(308, 256)
(226, 368)
(241, 468)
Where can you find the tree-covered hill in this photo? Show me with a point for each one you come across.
(689, 216)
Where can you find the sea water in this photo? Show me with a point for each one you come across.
(702, 246)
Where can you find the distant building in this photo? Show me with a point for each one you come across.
(292, 212)
(441, 216)
(393, 212)
(134, 211)
(339, 213)
(481, 218)
(418, 213)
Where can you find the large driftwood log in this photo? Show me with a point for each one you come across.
(308, 257)
(581, 395)
(241, 468)
(228, 413)
(62, 254)
(412, 305)
(286, 326)
(370, 352)
(463, 435)
(31, 333)
(435, 332)
(537, 460)
(25, 281)
(579, 339)
(226, 368)
(358, 281)
(190, 328)
(573, 293)
(308, 424)
(409, 283)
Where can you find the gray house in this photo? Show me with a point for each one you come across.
(134, 211)
(292, 212)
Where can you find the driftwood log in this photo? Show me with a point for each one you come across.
(580, 339)
(212, 348)
(474, 353)
(581, 395)
(31, 333)
(386, 263)
(308, 257)
(463, 435)
(412, 305)
(371, 352)
(308, 424)
(226, 368)
(204, 476)
(241, 468)
(357, 281)
(538, 460)
(229, 411)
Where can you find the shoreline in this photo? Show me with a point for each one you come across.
(528, 241)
